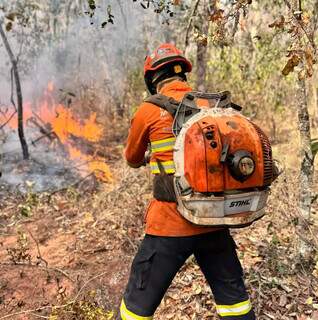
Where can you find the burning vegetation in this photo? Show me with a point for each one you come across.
(53, 128)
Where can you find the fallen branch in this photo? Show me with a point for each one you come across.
(39, 256)
(11, 315)
(45, 129)
(72, 185)
(46, 135)
(39, 316)
(86, 283)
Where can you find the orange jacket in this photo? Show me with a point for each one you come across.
(151, 124)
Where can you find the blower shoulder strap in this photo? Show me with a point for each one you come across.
(164, 102)
(171, 105)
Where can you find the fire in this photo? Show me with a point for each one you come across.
(61, 121)
(65, 124)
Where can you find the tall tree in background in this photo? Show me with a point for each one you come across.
(301, 55)
(202, 29)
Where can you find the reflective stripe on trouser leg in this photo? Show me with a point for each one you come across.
(163, 145)
(218, 260)
(237, 309)
(168, 167)
(128, 315)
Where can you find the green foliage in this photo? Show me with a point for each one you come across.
(30, 202)
(163, 7)
(81, 310)
(86, 309)
(249, 71)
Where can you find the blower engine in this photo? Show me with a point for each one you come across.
(223, 161)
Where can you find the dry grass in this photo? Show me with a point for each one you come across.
(83, 242)
(95, 236)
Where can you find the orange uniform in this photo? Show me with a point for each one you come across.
(170, 239)
(152, 124)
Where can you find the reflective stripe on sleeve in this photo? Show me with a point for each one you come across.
(237, 309)
(168, 166)
(128, 315)
(163, 145)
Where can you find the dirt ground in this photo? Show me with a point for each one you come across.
(67, 255)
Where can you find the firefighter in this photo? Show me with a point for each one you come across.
(170, 239)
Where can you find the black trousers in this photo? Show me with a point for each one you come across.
(159, 259)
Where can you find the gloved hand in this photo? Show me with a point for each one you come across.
(147, 158)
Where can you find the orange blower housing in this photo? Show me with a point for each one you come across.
(205, 172)
(224, 164)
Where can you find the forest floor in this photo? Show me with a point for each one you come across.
(67, 255)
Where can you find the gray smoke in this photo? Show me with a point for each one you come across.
(80, 53)
(76, 54)
(48, 167)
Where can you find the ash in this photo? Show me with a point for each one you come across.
(48, 168)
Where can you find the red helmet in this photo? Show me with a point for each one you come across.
(164, 56)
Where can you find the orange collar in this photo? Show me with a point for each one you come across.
(175, 85)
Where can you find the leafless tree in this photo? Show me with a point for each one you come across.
(14, 63)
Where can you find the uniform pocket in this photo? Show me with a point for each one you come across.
(143, 263)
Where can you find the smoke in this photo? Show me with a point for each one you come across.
(77, 55)
(47, 170)
(74, 50)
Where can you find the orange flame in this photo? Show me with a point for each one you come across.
(65, 125)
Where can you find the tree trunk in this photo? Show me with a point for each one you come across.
(201, 66)
(202, 58)
(202, 49)
(18, 92)
(306, 170)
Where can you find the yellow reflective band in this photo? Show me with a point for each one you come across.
(172, 139)
(168, 167)
(237, 309)
(163, 145)
(161, 149)
(128, 315)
